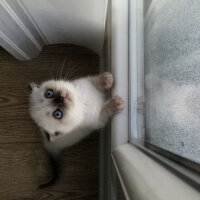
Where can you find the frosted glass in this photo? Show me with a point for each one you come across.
(172, 76)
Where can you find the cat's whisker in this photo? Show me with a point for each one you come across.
(57, 74)
(59, 71)
(63, 64)
(71, 71)
(67, 70)
(52, 75)
(68, 73)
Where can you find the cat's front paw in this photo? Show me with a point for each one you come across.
(116, 105)
(106, 80)
(111, 107)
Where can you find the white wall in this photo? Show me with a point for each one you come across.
(27, 25)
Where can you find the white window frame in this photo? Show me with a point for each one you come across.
(139, 170)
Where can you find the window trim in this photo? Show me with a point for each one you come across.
(136, 71)
(119, 68)
(191, 165)
(143, 177)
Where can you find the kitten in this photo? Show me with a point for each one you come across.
(68, 111)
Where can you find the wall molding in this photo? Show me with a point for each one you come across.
(33, 22)
(20, 23)
(14, 46)
(18, 32)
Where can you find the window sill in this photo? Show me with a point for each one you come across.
(143, 178)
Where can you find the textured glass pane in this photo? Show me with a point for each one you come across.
(172, 76)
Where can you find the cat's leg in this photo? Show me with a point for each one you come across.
(103, 81)
(110, 108)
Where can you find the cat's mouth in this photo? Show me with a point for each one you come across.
(68, 98)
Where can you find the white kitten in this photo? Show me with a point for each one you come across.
(67, 111)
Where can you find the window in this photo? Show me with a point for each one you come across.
(167, 120)
(143, 173)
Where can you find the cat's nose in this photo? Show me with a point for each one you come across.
(58, 99)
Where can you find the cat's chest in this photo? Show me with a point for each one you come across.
(89, 96)
(92, 100)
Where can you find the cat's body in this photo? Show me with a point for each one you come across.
(66, 112)
(91, 102)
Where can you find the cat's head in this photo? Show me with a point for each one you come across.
(54, 106)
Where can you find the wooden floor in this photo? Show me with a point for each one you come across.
(23, 161)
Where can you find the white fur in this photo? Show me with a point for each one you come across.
(82, 114)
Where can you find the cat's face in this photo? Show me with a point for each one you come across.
(54, 106)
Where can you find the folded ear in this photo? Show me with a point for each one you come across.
(31, 86)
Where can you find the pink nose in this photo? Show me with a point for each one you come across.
(67, 97)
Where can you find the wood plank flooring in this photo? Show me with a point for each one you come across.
(23, 161)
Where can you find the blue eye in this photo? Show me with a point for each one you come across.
(58, 114)
(49, 93)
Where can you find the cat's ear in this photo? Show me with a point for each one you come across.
(32, 86)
